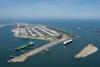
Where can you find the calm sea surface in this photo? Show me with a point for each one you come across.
(60, 55)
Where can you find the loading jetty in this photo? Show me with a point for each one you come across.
(38, 32)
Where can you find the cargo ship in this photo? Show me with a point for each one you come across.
(24, 46)
(67, 42)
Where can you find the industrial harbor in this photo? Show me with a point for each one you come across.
(42, 32)
(31, 44)
(50, 33)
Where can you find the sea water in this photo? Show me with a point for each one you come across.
(60, 55)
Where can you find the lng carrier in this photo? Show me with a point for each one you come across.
(42, 32)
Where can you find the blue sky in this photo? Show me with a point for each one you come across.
(67, 9)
